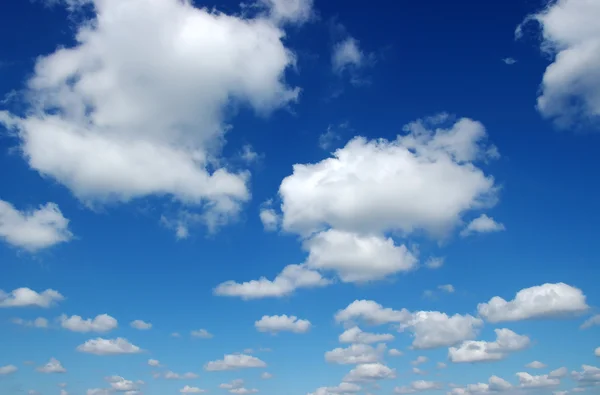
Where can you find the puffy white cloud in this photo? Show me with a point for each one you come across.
(100, 346)
(120, 384)
(235, 361)
(202, 333)
(101, 323)
(528, 381)
(292, 277)
(494, 385)
(372, 313)
(153, 362)
(8, 369)
(506, 342)
(347, 54)
(269, 217)
(433, 329)
(419, 371)
(169, 375)
(33, 230)
(357, 258)
(543, 301)
(39, 322)
(141, 325)
(558, 373)
(395, 352)
(418, 386)
(341, 389)
(426, 179)
(589, 375)
(238, 383)
(355, 354)
(592, 321)
(570, 89)
(356, 335)
(191, 390)
(482, 224)
(420, 359)
(112, 121)
(282, 323)
(536, 365)
(24, 297)
(53, 366)
(370, 372)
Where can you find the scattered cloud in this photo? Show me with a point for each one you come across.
(191, 390)
(269, 217)
(356, 354)
(536, 365)
(588, 376)
(266, 376)
(432, 329)
(282, 323)
(169, 375)
(506, 342)
(234, 362)
(101, 323)
(543, 301)
(202, 334)
(53, 366)
(528, 381)
(153, 362)
(8, 369)
(100, 346)
(341, 389)
(39, 322)
(449, 288)
(372, 313)
(592, 321)
(418, 386)
(509, 61)
(420, 360)
(25, 297)
(33, 230)
(141, 325)
(559, 373)
(370, 372)
(357, 336)
(434, 263)
(482, 224)
(393, 352)
(494, 385)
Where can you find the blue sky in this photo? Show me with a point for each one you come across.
(297, 197)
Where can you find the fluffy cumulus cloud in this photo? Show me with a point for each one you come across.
(526, 380)
(588, 376)
(570, 89)
(356, 354)
(418, 386)
(433, 329)
(356, 335)
(191, 390)
(558, 373)
(282, 323)
(285, 283)
(7, 369)
(234, 362)
(536, 365)
(494, 385)
(367, 372)
(341, 389)
(138, 105)
(33, 230)
(100, 346)
(482, 224)
(506, 342)
(543, 301)
(101, 323)
(120, 384)
(141, 325)
(269, 217)
(372, 313)
(53, 366)
(202, 334)
(25, 297)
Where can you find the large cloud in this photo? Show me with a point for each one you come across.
(137, 106)
(570, 89)
(506, 342)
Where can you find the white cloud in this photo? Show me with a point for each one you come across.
(282, 323)
(441, 365)
(39, 322)
(243, 391)
(494, 385)
(395, 352)
(202, 333)
(433, 329)
(447, 288)
(120, 384)
(191, 390)
(434, 263)
(370, 372)
(169, 375)
(238, 383)
(346, 54)
(597, 352)
(506, 342)
(424, 180)
(8, 369)
(356, 354)
(292, 277)
(589, 375)
(509, 61)
(482, 224)
(356, 335)
(560, 372)
(153, 362)
(330, 136)
(341, 389)
(418, 386)
(266, 376)
(101, 323)
(113, 122)
(592, 321)
(372, 313)
(269, 217)
(141, 325)
(63, 392)
(357, 258)
(419, 371)
(420, 359)
(543, 301)
(536, 365)
(235, 361)
(53, 366)
(98, 391)
(100, 346)
(25, 297)
(33, 230)
(570, 89)
(528, 381)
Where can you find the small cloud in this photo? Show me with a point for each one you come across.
(248, 154)
(434, 262)
(269, 217)
(449, 288)
(25, 297)
(509, 61)
(100, 346)
(482, 224)
(53, 366)
(141, 325)
(201, 333)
